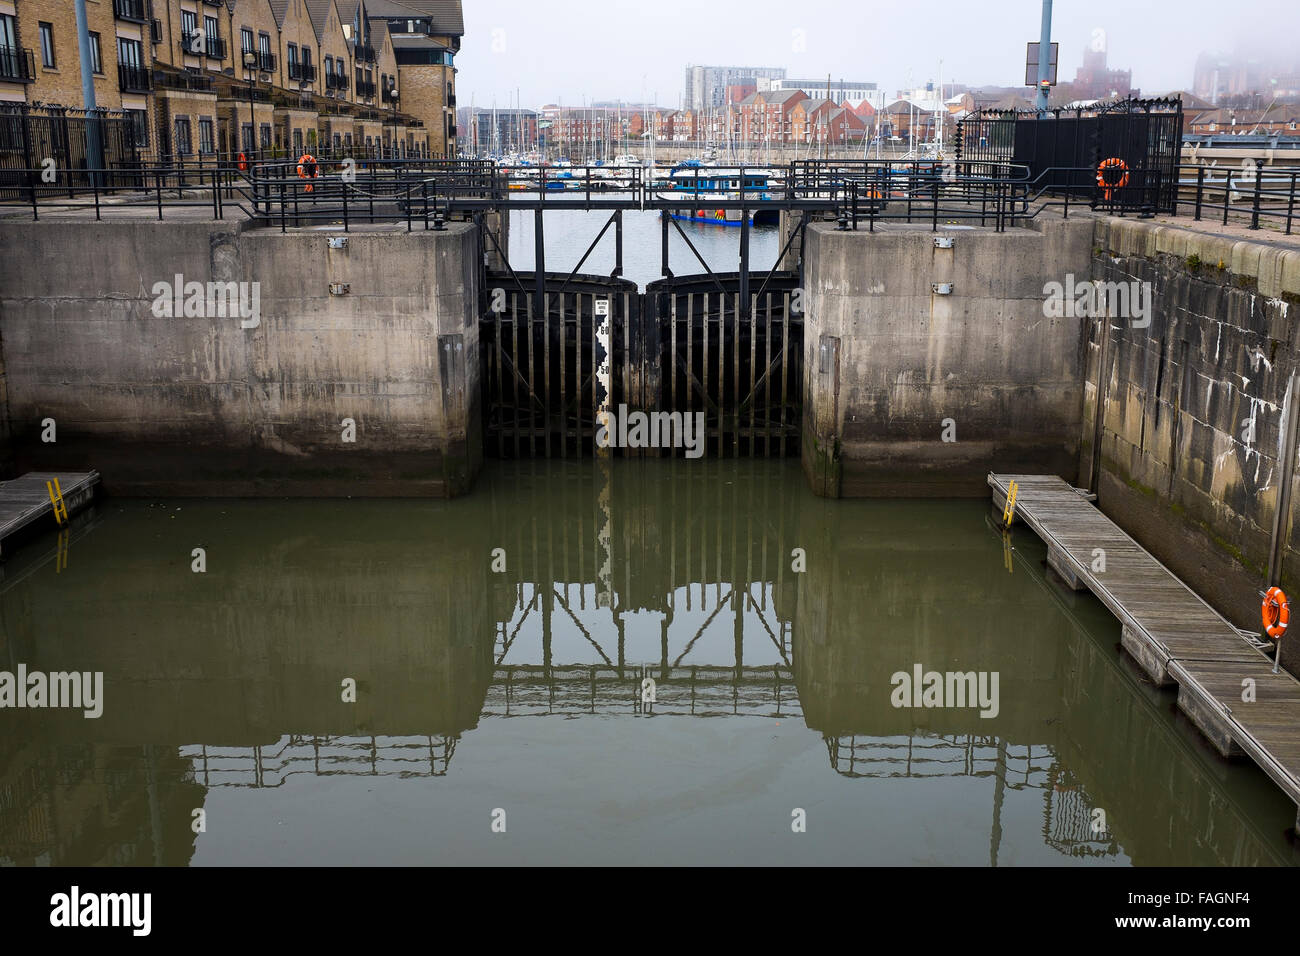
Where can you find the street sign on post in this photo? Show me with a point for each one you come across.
(1031, 64)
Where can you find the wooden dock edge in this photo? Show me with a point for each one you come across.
(1216, 723)
(77, 496)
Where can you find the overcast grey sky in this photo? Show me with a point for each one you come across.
(615, 49)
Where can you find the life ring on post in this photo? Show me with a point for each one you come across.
(243, 163)
(307, 169)
(1276, 613)
(1108, 187)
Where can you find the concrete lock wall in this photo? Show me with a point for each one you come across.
(1195, 453)
(914, 393)
(204, 406)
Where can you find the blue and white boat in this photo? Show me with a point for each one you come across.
(699, 187)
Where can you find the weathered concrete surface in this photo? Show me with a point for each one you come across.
(204, 406)
(1192, 458)
(894, 370)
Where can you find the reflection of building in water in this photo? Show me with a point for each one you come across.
(90, 804)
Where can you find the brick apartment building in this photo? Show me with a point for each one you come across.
(211, 78)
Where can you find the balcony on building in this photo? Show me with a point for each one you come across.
(366, 89)
(337, 82)
(17, 66)
(215, 48)
(365, 53)
(266, 62)
(186, 80)
(134, 10)
(133, 79)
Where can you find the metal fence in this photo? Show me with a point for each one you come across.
(1064, 149)
(343, 189)
(54, 148)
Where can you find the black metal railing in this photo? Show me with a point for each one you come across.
(1254, 195)
(365, 89)
(17, 66)
(302, 72)
(192, 82)
(336, 81)
(215, 47)
(387, 183)
(133, 79)
(365, 53)
(130, 10)
(266, 62)
(192, 43)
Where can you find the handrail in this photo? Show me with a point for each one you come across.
(362, 188)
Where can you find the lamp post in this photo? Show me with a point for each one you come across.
(391, 94)
(250, 61)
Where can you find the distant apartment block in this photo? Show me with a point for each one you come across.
(1219, 77)
(851, 93)
(706, 86)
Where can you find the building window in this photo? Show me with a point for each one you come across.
(130, 53)
(205, 136)
(191, 41)
(182, 136)
(245, 40)
(246, 136)
(264, 47)
(139, 120)
(265, 133)
(212, 37)
(96, 60)
(8, 41)
(294, 72)
(297, 142)
(47, 45)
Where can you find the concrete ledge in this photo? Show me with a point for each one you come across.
(1276, 270)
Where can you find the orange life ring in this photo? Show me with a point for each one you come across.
(1110, 188)
(1276, 613)
(243, 163)
(307, 168)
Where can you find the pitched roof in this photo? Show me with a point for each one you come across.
(318, 12)
(773, 97)
(446, 15)
(278, 10)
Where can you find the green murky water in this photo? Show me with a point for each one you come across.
(523, 697)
